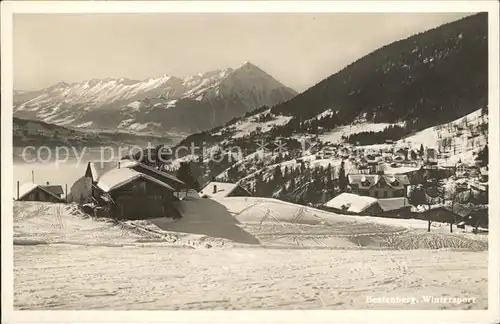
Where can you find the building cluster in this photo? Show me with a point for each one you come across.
(378, 184)
(127, 189)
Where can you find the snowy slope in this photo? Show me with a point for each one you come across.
(458, 140)
(97, 265)
(198, 102)
(247, 125)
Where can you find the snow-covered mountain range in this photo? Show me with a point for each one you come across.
(165, 103)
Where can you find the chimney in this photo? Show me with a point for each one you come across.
(18, 190)
(215, 188)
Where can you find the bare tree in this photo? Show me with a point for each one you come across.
(452, 193)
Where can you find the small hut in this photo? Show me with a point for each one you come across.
(36, 192)
(129, 194)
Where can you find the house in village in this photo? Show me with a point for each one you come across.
(95, 169)
(36, 192)
(402, 151)
(129, 194)
(82, 190)
(398, 158)
(352, 204)
(387, 157)
(483, 174)
(344, 152)
(441, 213)
(450, 167)
(413, 155)
(462, 169)
(378, 186)
(477, 218)
(398, 207)
(417, 175)
(98, 168)
(374, 163)
(430, 154)
(479, 192)
(224, 189)
(119, 191)
(169, 179)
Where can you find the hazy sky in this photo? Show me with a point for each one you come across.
(298, 49)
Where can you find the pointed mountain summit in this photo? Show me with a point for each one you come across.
(158, 104)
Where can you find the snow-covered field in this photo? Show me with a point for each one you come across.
(239, 253)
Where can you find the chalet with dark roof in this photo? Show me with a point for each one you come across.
(378, 186)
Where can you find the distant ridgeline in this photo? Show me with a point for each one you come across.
(425, 80)
(37, 133)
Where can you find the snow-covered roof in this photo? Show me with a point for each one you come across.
(98, 168)
(400, 170)
(424, 208)
(57, 189)
(223, 189)
(351, 202)
(478, 186)
(26, 188)
(126, 163)
(366, 181)
(119, 177)
(388, 204)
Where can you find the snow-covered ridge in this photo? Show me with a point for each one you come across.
(101, 91)
(98, 100)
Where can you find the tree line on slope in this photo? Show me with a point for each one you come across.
(427, 79)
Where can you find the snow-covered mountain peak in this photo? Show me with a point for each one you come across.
(96, 102)
(248, 65)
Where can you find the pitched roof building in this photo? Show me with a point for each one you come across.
(378, 186)
(169, 179)
(349, 203)
(35, 192)
(118, 178)
(130, 194)
(224, 189)
(95, 169)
